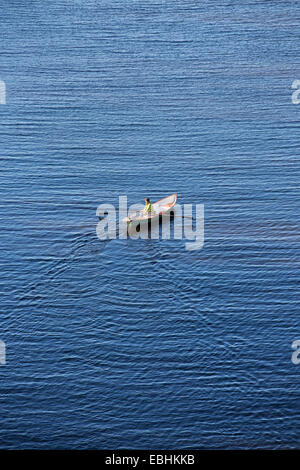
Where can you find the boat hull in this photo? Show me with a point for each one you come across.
(162, 207)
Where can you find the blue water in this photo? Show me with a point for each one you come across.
(141, 343)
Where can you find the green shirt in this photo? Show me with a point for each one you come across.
(148, 207)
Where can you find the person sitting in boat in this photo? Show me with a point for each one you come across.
(148, 206)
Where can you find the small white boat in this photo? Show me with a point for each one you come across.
(161, 207)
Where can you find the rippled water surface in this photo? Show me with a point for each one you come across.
(141, 343)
